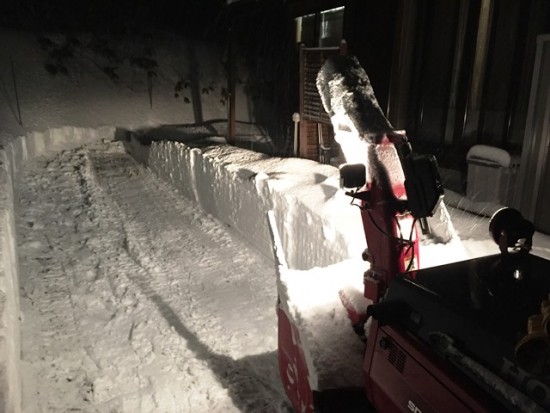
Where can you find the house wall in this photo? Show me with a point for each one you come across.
(469, 68)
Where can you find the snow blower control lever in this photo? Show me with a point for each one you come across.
(422, 181)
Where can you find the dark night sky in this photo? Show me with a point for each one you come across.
(200, 18)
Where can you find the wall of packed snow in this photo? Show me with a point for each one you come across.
(317, 225)
(12, 157)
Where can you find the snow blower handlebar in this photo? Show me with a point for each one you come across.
(422, 182)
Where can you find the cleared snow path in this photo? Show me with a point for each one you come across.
(133, 299)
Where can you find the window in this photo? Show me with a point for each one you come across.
(321, 29)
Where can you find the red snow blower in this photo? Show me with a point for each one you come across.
(470, 336)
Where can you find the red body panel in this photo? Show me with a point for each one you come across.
(292, 365)
(391, 236)
(403, 376)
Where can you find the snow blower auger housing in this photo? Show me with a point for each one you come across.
(470, 336)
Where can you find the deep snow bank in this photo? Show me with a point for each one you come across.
(12, 157)
(237, 186)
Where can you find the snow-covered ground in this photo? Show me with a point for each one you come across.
(137, 297)
(134, 300)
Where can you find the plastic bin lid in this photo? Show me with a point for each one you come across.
(491, 154)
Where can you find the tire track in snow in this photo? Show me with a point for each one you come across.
(234, 275)
(182, 305)
(211, 253)
(51, 332)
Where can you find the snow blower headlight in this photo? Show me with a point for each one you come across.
(353, 175)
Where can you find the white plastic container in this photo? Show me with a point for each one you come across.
(491, 174)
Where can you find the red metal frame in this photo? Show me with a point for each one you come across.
(403, 375)
(292, 365)
(389, 250)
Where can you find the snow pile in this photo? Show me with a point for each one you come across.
(239, 186)
(334, 353)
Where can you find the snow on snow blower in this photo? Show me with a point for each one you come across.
(470, 336)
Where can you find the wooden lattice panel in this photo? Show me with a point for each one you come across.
(314, 121)
(311, 61)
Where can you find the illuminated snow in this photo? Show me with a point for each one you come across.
(177, 312)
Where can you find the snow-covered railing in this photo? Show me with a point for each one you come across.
(13, 154)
